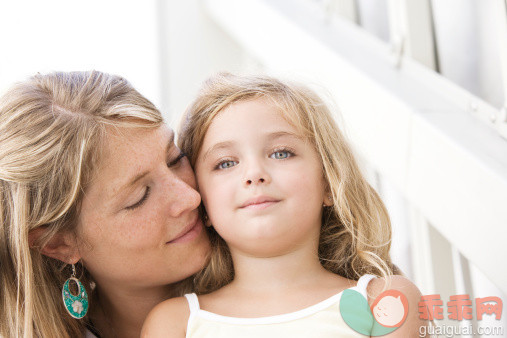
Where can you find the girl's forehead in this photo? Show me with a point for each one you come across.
(256, 107)
(251, 122)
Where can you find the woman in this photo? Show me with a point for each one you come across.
(92, 187)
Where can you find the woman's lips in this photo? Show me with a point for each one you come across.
(190, 234)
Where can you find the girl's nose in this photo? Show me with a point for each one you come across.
(256, 174)
(260, 180)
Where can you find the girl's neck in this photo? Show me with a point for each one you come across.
(120, 312)
(270, 275)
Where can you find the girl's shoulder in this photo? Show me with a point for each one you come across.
(412, 322)
(396, 282)
(167, 319)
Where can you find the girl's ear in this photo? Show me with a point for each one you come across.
(328, 200)
(207, 221)
(61, 246)
(328, 196)
(204, 215)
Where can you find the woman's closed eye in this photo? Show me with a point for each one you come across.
(171, 164)
(141, 201)
(177, 160)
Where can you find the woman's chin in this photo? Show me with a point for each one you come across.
(197, 258)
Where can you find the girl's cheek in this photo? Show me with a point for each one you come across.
(220, 197)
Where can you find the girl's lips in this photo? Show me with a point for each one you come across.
(259, 206)
(192, 233)
(259, 202)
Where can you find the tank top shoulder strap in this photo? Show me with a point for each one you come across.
(362, 284)
(193, 302)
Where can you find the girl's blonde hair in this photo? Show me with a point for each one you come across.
(356, 232)
(51, 130)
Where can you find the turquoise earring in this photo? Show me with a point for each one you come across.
(76, 305)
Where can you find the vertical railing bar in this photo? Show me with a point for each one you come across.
(463, 283)
(501, 17)
(343, 8)
(421, 253)
(411, 27)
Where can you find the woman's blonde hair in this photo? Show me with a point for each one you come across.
(51, 130)
(356, 232)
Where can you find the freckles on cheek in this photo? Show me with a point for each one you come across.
(135, 232)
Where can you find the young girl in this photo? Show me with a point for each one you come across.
(292, 221)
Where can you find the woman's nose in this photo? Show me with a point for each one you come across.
(182, 196)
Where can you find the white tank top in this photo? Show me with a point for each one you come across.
(322, 320)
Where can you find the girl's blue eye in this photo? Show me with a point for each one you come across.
(226, 164)
(281, 154)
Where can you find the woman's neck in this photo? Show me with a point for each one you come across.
(120, 312)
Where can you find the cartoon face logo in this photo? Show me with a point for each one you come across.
(390, 308)
(387, 313)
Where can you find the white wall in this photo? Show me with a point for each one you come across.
(115, 36)
(193, 47)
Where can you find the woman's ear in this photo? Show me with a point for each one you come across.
(61, 246)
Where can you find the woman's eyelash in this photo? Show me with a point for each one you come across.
(148, 189)
(176, 160)
(141, 201)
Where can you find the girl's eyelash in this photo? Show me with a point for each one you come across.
(177, 159)
(217, 166)
(141, 201)
(283, 149)
(277, 150)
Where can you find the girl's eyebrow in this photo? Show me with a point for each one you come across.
(217, 146)
(230, 144)
(279, 134)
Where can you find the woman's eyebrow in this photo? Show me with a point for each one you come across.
(135, 180)
(170, 143)
(142, 174)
